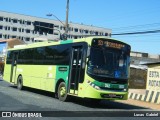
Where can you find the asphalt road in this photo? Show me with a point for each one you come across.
(12, 99)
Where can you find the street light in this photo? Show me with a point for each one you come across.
(64, 35)
(49, 15)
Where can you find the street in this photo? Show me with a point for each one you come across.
(12, 99)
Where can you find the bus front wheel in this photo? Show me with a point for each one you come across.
(62, 92)
(20, 83)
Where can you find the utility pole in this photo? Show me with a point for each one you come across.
(66, 26)
(67, 11)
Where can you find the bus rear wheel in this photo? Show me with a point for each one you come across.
(20, 83)
(62, 92)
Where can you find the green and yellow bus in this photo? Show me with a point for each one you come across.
(91, 67)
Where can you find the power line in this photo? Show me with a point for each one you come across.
(141, 32)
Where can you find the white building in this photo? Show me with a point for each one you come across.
(27, 28)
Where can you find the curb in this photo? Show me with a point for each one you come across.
(149, 96)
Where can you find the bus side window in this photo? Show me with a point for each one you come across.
(39, 55)
(49, 55)
(9, 57)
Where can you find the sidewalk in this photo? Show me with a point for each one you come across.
(142, 104)
(145, 95)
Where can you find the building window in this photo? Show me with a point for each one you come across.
(27, 31)
(5, 36)
(101, 33)
(81, 31)
(40, 32)
(5, 27)
(106, 34)
(75, 37)
(35, 32)
(42, 27)
(45, 33)
(57, 26)
(13, 36)
(6, 19)
(9, 28)
(0, 35)
(20, 21)
(96, 33)
(86, 31)
(61, 28)
(28, 23)
(15, 20)
(19, 29)
(76, 29)
(19, 37)
(1, 18)
(55, 33)
(27, 39)
(14, 29)
(69, 29)
(91, 32)
(1, 27)
(32, 39)
(9, 19)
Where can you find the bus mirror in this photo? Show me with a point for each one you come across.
(88, 52)
(83, 65)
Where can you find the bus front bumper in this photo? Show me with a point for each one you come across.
(91, 92)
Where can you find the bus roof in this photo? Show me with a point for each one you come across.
(49, 43)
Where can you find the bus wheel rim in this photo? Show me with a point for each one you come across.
(62, 91)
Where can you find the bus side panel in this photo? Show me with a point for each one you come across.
(49, 81)
(26, 72)
(82, 86)
(38, 76)
(62, 72)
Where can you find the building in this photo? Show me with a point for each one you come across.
(27, 28)
(153, 76)
(138, 58)
(152, 91)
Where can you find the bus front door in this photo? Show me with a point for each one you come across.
(75, 70)
(13, 67)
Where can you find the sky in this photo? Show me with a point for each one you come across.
(121, 16)
(2, 46)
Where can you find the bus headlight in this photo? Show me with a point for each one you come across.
(125, 90)
(93, 85)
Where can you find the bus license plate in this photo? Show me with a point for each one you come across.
(112, 95)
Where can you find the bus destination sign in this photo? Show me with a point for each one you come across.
(110, 44)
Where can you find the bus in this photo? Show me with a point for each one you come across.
(93, 67)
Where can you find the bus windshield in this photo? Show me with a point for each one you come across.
(108, 62)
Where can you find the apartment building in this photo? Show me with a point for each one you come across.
(27, 28)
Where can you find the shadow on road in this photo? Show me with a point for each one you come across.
(40, 92)
(103, 104)
(1, 79)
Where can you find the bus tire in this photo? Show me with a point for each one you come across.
(20, 83)
(62, 92)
